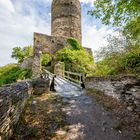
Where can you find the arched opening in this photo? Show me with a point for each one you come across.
(46, 61)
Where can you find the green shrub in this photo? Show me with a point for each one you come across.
(75, 57)
(74, 44)
(124, 62)
(46, 58)
(11, 73)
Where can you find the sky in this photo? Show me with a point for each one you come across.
(19, 19)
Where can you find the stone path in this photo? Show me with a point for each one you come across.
(87, 119)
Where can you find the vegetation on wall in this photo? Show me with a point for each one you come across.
(75, 57)
(11, 73)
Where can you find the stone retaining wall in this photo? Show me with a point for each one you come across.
(126, 88)
(12, 101)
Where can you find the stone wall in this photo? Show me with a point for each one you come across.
(12, 101)
(41, 85)
(66, 18)
(48, 44)
(126, 88)
(27, 63)
(45, 44)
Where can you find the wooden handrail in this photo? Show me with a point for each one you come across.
(73, 73)
(73, 80)
(77, 79)
(68, 75)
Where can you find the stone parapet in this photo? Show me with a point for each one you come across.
(12, 101)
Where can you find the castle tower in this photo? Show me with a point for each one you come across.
(66, 18)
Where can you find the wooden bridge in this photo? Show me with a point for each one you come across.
(67, 84)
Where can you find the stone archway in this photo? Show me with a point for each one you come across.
(45, 44)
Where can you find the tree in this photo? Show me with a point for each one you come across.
(116, 60)
(75, 57)
(46, 58)
(119, 13)
(21, 53)
(116, 43)
(11, 73)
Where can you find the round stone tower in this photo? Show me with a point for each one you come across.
(66, 18)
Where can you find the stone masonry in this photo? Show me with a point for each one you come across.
(66, 18)
(13, 98)
(12, 101)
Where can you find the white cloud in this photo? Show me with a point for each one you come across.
(7, 4)
(88, 1)
(17, 30)
(95, 38)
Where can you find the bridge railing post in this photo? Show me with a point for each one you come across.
(74, 77)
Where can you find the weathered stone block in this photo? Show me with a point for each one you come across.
(41, 86)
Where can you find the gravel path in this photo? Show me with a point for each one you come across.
(87, 119)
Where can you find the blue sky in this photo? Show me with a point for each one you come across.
(20, 18)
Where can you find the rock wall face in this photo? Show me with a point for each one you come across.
(66, 18)
(12, 101)
(125, 88)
